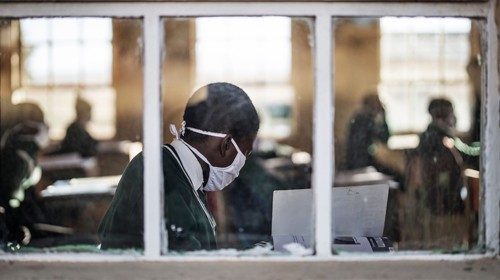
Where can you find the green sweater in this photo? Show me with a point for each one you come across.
(187, 223)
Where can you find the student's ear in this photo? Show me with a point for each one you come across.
(225, 145)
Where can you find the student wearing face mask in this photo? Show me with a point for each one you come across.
(210, 148)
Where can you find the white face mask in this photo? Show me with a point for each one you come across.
(219, 177)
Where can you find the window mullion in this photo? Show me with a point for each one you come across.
(491, 142)
(323, 166)
(153, 183)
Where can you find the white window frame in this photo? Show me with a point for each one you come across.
(323, 159)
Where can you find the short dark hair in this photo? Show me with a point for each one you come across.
(223, 108)
(82, 106)
(440, 108)
(371, 98)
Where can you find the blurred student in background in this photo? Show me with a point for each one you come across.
(77, 138)
(368, 127)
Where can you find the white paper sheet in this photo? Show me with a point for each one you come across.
(356, 211)
(280, 240)
(359, 211)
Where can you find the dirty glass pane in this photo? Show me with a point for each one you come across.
(71, 121)
(407, 141)
(271, 60)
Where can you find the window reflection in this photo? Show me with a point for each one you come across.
(66, 40)
(67, 57)
(71, 96)
(422, 58)
(407, 116)
(270, 58)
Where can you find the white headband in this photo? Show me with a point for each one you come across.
(182, 130)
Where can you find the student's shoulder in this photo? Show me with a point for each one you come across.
(135, 168)
(171, 160)
(75, 126)
(168, 156)
(174, 174)
(169, 152)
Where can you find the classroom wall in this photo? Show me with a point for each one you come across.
(356, 62)
(128, 78)
(357, 71)
(302, 80)
(8, 40)
(178, 66)
(177, 74)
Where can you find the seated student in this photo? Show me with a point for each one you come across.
(219, 128)
(77, 138)
(19, 172)
(441, 163)
(433, 207)
(365, 129)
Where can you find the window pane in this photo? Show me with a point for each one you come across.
(69, 51)
(36, 63)
(73, 64)
(239, 35)
(68, 133)
(63, 58)
(65, 29)
(270, 59)
(96, 30)
(97, 63)
(407, 97)
(432, 57)
(35, 31)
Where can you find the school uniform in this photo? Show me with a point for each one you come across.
(189, 224)
(78, 140)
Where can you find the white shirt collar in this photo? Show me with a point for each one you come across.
(190, 163)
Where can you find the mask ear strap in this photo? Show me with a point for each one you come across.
(214, 134)
(237, 147)
(194, 150)
(175, 133)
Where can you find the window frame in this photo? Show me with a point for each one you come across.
(323, 13)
